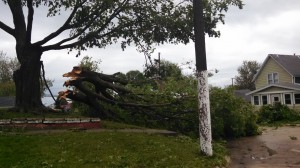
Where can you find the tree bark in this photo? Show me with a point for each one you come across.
(27, 77)
(27, 80)
(204, 114)
(201, 72)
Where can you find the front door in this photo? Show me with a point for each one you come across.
(275, 98)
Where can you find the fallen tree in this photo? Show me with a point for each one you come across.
(174, 107)
(94, 89)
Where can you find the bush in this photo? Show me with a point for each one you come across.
(232, 117)
(277, 112)
(7, 89)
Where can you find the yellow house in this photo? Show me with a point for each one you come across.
(278, 80)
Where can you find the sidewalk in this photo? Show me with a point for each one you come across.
(51, 123)
(61, 125)
(147, 131)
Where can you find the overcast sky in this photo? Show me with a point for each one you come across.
(262, 27)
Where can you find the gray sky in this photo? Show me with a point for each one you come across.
(263, 27)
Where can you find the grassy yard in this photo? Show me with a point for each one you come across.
(101, 149)
(106, 149)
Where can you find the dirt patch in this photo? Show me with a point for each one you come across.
(276, 148)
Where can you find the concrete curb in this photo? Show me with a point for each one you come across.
(51, 123)
(99, 130)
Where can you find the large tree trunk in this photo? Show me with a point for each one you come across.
(204, 114)
(201, 72)
(27, 80)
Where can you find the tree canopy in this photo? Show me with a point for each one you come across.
(163, 69)
(99, 23)
(246, 73)
(87, 63)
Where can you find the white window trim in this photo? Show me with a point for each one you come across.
(281, 97)
(292, 99)
(293, 80)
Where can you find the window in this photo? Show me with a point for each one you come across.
(297, 79)
(297, 98)
(270, 78)
(287, 99)
(256, 100)
(273, 78)
(264, 100)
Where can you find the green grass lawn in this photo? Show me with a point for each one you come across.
(105, 149)
(100, 149)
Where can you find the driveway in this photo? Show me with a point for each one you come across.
(275, 148)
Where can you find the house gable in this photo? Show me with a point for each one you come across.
(290, 63)
(274, 89)
(271, 66)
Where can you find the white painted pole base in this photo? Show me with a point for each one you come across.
(204, 114)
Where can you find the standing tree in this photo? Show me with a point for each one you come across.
(136, 78)
(88, 63)
(7, 67)
(202, 75)
(98, 23)
(163, 69)
(247, 72)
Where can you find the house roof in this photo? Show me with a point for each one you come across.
(285, 85)
(7, 101)
(290, 63)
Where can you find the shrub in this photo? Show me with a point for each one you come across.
(232, 117)
(277, 112)
(7, 88)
